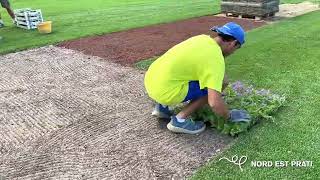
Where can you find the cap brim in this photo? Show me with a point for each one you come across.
(221, 31)
(214, 28)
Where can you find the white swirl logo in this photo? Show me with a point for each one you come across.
(236, 160)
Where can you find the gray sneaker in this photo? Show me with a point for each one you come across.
(1, 25)
(188, 127)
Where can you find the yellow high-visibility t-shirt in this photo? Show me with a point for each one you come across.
(196, 59)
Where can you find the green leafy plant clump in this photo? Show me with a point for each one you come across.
(260, 104)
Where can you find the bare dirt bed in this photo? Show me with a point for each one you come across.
(66, 115)
(128, 47)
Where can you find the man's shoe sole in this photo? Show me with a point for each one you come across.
(181, 130)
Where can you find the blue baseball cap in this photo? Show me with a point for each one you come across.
(231, 29)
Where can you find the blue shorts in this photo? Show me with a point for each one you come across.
(194, 91)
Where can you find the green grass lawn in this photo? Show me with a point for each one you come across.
(74, 19)
(285, 59)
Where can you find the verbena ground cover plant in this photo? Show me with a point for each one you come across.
(260, 103)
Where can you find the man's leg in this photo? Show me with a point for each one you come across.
(181, 123)
(6, 4)
(192, 107)
(161, 111)
(11, 13)
(200, 98)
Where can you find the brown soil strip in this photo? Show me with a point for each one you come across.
(128, 47)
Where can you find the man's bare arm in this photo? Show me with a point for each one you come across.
(217, 104)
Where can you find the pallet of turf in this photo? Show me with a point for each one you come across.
(257, 9)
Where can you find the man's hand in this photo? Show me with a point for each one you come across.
(217, 104)
(239, 116)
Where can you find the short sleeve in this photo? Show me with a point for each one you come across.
(212, 74)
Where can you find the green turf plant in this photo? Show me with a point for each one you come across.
(261, 105)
